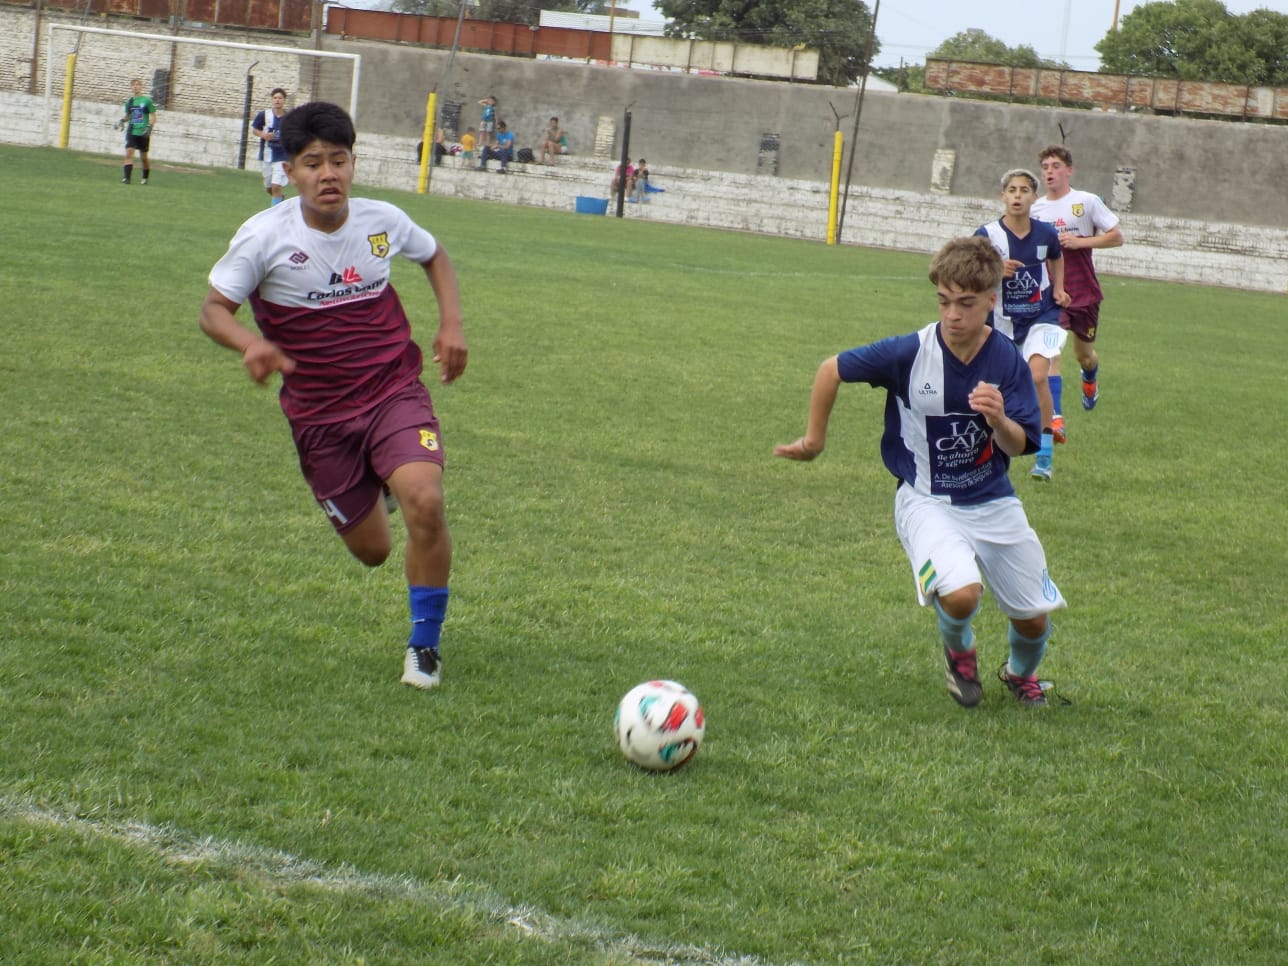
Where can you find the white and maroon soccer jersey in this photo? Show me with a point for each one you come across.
(1083, 214)
(326, 300)
(933, 440)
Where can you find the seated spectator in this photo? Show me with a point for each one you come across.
(503, 151)
(618, 181)
(440, 148)
(639, 183)
(553, 145)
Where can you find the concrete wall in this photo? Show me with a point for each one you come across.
(1165, 167)
(1176, 167)
(1201, 201)
(1170, 249)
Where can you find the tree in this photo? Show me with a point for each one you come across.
(1264, 35)
(1199, 40)
(973, 45)
(837, 29)
(980, 47)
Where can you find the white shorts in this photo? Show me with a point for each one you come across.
(1044, 339)
(950, 546)
(275, 174)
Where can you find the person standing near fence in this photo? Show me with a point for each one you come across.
(487, 124)
(138, 120)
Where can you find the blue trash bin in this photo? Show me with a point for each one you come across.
(591, 206)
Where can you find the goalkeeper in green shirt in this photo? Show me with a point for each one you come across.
(140, 114)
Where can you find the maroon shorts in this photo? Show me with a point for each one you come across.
(1082, 321)
(346, 464)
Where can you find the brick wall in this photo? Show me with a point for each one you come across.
(1121, 92)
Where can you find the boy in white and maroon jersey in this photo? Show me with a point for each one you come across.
(315, 270)
(1085, 223)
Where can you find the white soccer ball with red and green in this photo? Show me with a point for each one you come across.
(659, 725)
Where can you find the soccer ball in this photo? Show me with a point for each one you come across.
(659, 725)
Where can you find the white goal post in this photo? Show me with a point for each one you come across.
(203, 82)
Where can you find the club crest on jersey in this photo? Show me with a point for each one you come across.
(1078, 209)
(379, 244)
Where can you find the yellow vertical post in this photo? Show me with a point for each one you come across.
(65, 128)
(834, 194)
(427, 143)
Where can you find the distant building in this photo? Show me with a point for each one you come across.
(625, 22)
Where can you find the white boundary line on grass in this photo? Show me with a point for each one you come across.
(741, 273)
(282, 868)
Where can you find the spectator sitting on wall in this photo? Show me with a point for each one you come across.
(639, 183)
(554, 143)
(503, 151)
(618, 181)
(440, 148)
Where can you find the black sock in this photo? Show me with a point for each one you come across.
(129, 169)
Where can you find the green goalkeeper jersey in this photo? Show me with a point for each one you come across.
(139, 112)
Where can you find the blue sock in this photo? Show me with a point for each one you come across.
(1056, 384)
(1089, 375)
(428, 608)
(276, 201)
(956, 631)
(1048, 444)
(1026, 654)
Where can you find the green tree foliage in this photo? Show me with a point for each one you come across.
(980, 47)
(1199, 40)
(973, 45)
(837, 29)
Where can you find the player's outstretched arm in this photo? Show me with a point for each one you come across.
(821, 400)
(260, 357)
(450, 351)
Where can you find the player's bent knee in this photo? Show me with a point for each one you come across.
(961, 603)
(371, 556)
(1030, 627)
(370, 543)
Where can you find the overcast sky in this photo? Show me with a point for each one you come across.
(910, 29)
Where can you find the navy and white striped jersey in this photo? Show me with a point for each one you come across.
(933, 441)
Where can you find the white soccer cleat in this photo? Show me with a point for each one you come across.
(421, 668)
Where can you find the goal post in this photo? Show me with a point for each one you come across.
(199, 79)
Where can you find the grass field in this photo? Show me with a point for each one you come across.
(206, 756)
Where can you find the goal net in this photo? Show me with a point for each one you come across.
(200, 85)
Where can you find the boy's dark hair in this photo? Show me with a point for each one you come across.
(1056, 151)
(277, 90)
(316, 121)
